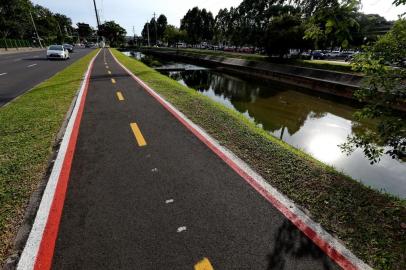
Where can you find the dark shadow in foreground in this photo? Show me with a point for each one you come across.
(291, 245)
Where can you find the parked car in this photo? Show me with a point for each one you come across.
(57, 52)
(68, 47)
(318, 55)
(332, 54)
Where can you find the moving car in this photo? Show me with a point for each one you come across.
(57, 52)
(68, 47)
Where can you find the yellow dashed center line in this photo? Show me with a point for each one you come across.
(204, 265)
(113, 81)
(120, 96)
(138, 135)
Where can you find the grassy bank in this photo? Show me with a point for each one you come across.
(368, 222)
(318, 64)
(28, 130)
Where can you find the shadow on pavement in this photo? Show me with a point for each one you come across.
(292, 245)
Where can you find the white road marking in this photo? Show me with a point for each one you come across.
(2, 74)
(154, 170)
(169, 201)
(33, 65)
(181, 229)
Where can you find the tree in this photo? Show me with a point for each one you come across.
(285, 32)
(332, 26)
(198, 25)
(399, 2)
(14, 19)
(113, 33)
(84, 30)
(162, 23)
(370, 27)
(384, 90)
(64, 25)
(173, 35)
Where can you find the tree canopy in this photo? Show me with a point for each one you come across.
(113, 32)
(384, 89)
(15, 22)
(198, 24)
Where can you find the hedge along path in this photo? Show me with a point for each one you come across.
(367, 221)
(28, 129)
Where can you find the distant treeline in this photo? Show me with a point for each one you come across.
(275, 25)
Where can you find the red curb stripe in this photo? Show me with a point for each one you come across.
(46, 250)
(334, 254)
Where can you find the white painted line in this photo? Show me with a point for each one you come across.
(33, 65)
(169, 201)
(28, 257)
(258, 180)
(2, 74)
(181, 229)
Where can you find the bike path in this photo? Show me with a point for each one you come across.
(166, 203)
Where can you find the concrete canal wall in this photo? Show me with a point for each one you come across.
(330, 82)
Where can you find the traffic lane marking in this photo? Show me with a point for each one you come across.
(204, 265)
(113, 81)
(2, 74)
(33, 65)
(138, 135)
(109, 72)
(120, 96)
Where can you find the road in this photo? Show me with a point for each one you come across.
(20, 72)
(146, 193)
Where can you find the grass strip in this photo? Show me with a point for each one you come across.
(370, 223)
(28, 129)
(317, 64)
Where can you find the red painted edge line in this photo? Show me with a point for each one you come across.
(335, 255)
(46, 250)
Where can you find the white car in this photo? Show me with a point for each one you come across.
(57, 52)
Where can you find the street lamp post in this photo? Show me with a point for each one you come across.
(35, 29)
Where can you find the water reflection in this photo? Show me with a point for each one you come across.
(309, 122)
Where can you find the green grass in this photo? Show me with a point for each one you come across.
(323, 64)
(29, 126)
(318, 64)
(367, 221)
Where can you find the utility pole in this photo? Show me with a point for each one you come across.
(156, 31)
(97, 19)
(97, 15)
(35, 29)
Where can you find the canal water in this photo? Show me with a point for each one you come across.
(314, 123)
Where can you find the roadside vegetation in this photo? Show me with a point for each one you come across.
(318, 64)
(370, 223)
(29, 126)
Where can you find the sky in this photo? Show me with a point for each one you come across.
(134, 13)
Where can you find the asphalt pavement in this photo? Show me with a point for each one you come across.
(145, 193)
(20, 72)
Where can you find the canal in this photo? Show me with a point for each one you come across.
(312, 122)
